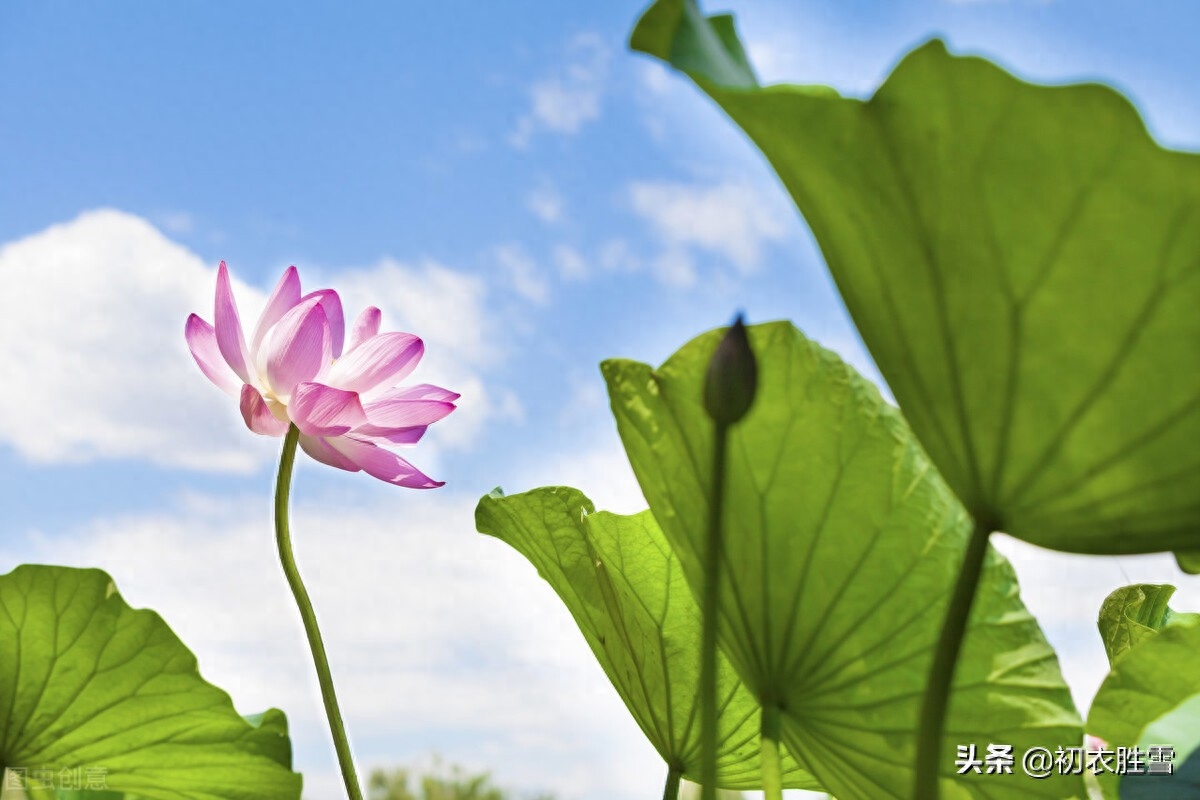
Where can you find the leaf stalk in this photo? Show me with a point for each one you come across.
(772, 768)
(945, 658)
(674, 776)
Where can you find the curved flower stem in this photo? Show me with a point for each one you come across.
(945, 657)
(772, 769)
(320, 660)
(671, 790)
(713, 555)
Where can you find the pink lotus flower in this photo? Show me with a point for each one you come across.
(299, 368)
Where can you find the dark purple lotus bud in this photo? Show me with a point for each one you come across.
(732, 377)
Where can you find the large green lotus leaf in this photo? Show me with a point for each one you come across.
(1152, 698)
(842, 547)
(1022, 262)
(1134, 613)
(91, 686)
(623, 585)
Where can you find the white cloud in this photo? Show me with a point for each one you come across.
(546, 202)
(601, 471)
(562, 108)
(91, 342)
(774, 61)
(177, 222)
(439, 638)
(611, 256)
(445, 307)
(572, 266)
(448, 310)
(521, 273)
(92, 349)
(675, 267)
(735, 220)
(617, 256)
(655, 77)
(564, 103)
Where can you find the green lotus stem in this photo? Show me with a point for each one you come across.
(320, 660)
(945, 657)
(772, 768)
(713, 555)
(671, 790)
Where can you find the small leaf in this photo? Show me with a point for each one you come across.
(1023, 263)
(87, 683)
(842, 544)
(623, 585)
(1133, 613)
(1152, 697)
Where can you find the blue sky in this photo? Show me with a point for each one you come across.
(505, 180)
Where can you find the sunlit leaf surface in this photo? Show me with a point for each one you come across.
(1151, 698)
(1022, 263)
(842, 546)
(93, 689)
(623, 585)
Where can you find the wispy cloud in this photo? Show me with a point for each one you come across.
(733, 220)
(655, 78)
(614, 256)
(546, 202)
(563, 103)
(178, 222)
(693, 225)
(572, 266)
(521, 273)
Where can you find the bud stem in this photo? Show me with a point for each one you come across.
(713, 556)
